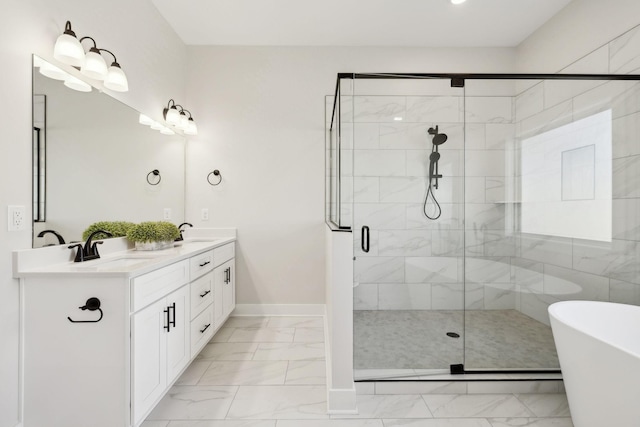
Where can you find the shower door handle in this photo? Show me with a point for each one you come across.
(364, 239)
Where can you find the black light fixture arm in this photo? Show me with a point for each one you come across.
(68, 30)
(115, 60)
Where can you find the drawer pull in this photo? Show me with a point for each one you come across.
(172, 322)
(205, 263)
(205, 294)
(205, 328)
(168, 325)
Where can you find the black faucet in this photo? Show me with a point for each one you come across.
(89, 251)
(179, 239)
(60, 238)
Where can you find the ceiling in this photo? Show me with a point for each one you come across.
(429, 23)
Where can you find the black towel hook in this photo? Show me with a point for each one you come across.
(92, 304)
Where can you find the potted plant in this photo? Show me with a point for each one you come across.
(153, 235)
(116, 228)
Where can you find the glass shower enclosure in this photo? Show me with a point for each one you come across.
(475, 201)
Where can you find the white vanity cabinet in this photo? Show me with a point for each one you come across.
(110, 367)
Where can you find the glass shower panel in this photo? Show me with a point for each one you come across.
(552, 211)
(409, 289)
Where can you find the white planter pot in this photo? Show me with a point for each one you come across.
(154, 246)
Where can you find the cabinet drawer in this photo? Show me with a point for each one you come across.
(201, 293)
(201, 264)
(152, 286)
(202, 329)
(224, 253)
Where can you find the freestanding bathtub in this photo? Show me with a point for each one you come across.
(598, 346)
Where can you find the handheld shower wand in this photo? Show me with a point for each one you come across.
(434, 157)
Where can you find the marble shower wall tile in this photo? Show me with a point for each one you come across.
(529, 102)
(447, 243)
(499, 296)
(546, 120)
(624, 292)
(451, 162)
(378, 109)
(500, 136)
(404, 296)
(404, 243)
(626, 219)
(379, 215)
(379, 163)
(450, 218)
(496, 189)
(626, 133)
(404, 136)
(621, 96)
(475, 136)
(527, 274)
(433, 109)
(366, 189)
(536, 306)
(619, 259)
(547, 249)
(484, 163)
(626, 177)
(447, 296)
(365, 296)
(379, 270)
(488, 109)
(402, 190)
(623, 52)
(432, 269)
(366, 136)
(487, 270)
(488, 216)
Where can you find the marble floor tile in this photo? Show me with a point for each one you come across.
(222, 335)
(475, 405)
(223, 423)
(309, 335)
(254, 335)
(329, 423)
(155, 424)
(296, 322)
(246, 322)
(194, 403)
(546, 405)
(228, 351)
(245, 372)
(390, 406)
(193, 373)
(306, 372)
(439, 422)
(279, 402)
(531, 422)
(294, 351)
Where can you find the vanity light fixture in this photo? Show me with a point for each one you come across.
(69, 49)
(51, 71)
(175, 115)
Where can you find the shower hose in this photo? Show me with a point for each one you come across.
(437, 211)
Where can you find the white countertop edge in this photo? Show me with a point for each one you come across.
(59, 259)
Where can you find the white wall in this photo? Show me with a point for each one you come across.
(260, 112)
(153, 58)
(581, 27)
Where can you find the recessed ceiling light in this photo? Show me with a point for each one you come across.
(457, 1)
(397, 119)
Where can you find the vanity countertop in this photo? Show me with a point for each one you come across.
(118, 258)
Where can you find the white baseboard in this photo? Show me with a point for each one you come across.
(279, 310)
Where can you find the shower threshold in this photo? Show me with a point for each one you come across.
(366, 375)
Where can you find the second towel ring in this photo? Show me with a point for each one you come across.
(154, 172)
(215, 173)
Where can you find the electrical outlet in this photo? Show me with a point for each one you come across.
(16, 218)
(167, 213)
(205, 214)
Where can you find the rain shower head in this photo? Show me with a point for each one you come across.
(438, 138)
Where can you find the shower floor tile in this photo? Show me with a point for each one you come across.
(489, 339)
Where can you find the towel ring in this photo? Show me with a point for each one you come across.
(215, 173)
(154, 172)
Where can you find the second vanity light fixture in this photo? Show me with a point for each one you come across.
(69, 49)
(175, 115)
